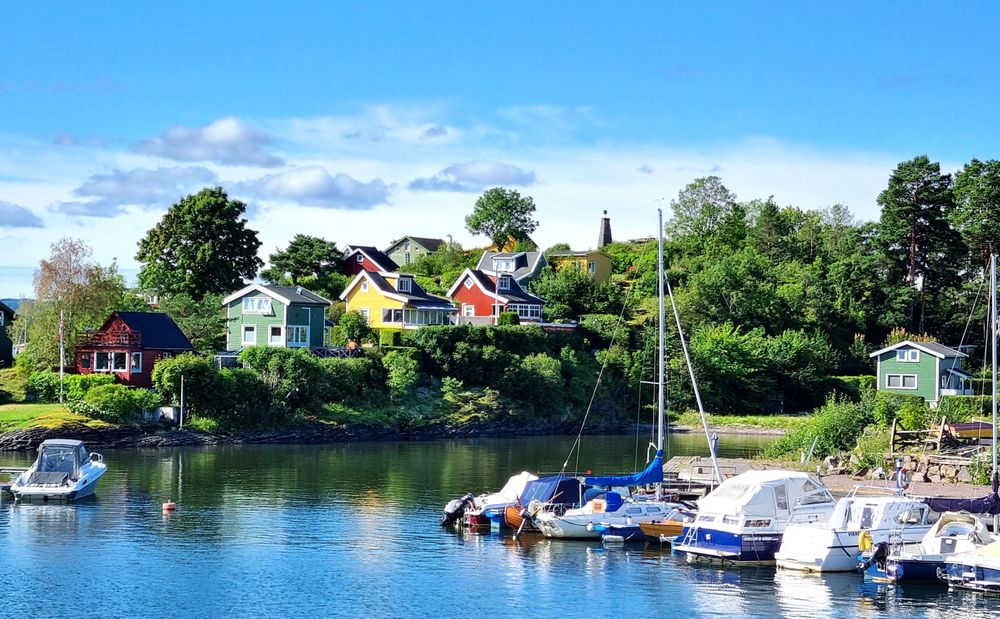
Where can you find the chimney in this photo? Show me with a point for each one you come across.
(604, 237)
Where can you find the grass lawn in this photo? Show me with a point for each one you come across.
(782, 422)
(22, 416)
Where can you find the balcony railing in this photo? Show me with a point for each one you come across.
(113, 339)
(945, 392)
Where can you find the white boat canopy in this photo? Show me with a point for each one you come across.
(510, 492)
(764, 494)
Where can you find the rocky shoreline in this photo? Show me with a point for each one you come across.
(306, 433)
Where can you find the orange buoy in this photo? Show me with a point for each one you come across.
(169, 506)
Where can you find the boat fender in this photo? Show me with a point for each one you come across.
(865, 541)
(903, 479)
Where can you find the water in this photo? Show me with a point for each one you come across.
(352, 530)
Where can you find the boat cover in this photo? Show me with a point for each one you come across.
(652, 474)
(556, 489)
(510, 492)
(989, 504)
(51, 478)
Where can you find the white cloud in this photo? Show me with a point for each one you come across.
(313, 186)
(474, 176)
(228, 141)
(14, 216)
(107, 195)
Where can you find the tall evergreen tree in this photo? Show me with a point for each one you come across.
(977, 208)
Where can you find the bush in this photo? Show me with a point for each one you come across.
(201, 382)
(337, 337)
(117, 403)
(508, 319)
(389, 337)
(77, 385)
(5, 396)
(539, 382)
(851, 386)
(401, 372)
(350, 378)
(886, 406)
(44, 386)
(247, 400)
(355, 327)
(913, 414)
(872, 447)
(296, 376)
(835, 427)
(602, 329)
(957, 408)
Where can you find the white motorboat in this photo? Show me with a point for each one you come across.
(607, 510)
(833, 545)
(63, 471)
(744, 519)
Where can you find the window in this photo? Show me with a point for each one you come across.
(406, 258)
(1, 319)
(249, 335)
(591, 267)
(167, 355)
(257, 305)
(504, 264)
(504, 282)
(901, 381)
(392, 315)
(101, 362)
(364, 312)
(405, 284)
(364, 286)
(359, 258)
(119, 361)
(468, 282)
(781, 498)
(468, 310)
(298, 336)
(135, 363)
(274, 336)
(85, 361)
(867, 516)
(908, 355)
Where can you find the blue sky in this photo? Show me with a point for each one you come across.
(361, 122)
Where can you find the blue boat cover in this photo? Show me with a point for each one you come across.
(989, 504)
(652, 474)
(555, 489)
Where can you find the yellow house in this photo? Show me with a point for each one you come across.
(595, 262)
(396, 301)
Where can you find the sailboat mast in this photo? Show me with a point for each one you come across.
(993, 346)
(662, 337)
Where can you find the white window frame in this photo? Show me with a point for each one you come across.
(468, 310)
(123, 366)
(271, 339)
(243, 335)
(359, 258)
(133, 367)
(298, 335)
(405, 284)
(908, 355)
(902, 381)
(364, 286)
(503, 282)
(367, 314)
(591, 267)
(468, 282)
(257, 305)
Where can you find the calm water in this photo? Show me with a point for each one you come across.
(352, 530)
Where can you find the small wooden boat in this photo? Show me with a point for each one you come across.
(663, 531)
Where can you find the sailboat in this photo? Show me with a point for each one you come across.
(609, 501)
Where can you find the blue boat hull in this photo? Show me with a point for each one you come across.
(905, 570)
(974, 577)
(722, 546)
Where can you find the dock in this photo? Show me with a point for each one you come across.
(9, 470)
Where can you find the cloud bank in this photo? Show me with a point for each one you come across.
(228, 141)
(314, 186)
(107, 195)
(14, 216)
(474, 176)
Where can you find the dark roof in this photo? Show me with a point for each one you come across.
(516, 294)
(377, 256)
(428, 244)
(941, 348)
(526, 263)
(296, 294)
(4, 308)
(158, 330)
(417, 296)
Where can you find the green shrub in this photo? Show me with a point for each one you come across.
(957, 408)
(887, 406)
(401, 372)
(871, 450)
(851, 386)
(246, 401)
(913, 414)
(77, 385)
(350, 378)
(389, 337)
(336, 337)
(539, 382)
(981, 468)
(508, 319)
(602, 329)
(835, 427)
(355, 327)
(116, 402)
(295, 375)
(44, 386)
(201, 382)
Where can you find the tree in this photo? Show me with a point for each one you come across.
(305, 256)
(571, 293)
(977, 207)
(202, 321)
(355, 327)
(702, 207)
(201, 246)
(500, 213)
(72, 284)
(915, 237)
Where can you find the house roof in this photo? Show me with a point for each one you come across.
(158, 330)
(288, 295)
(931, 348)
(4, 308)
(417, 297)
(427, 243)
(527, 263)
(577, 254)
(376, 255)
(483, 279)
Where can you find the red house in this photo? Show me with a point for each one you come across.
(483, 295)
(128, 344)
(362, 258)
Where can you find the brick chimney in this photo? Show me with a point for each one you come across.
(604, 237)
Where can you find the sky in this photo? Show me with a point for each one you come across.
(364, 122)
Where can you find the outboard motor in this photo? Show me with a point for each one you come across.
(878, 558)
(455, 509)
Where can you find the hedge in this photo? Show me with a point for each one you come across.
(851, 386)
(45, 385)
(964, 407)
(389, 337)
(115, 403)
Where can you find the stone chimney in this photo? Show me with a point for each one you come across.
(604, 238)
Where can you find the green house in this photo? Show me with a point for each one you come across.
(266, 315)
(407, 249)
(6, 346)
(925, 369)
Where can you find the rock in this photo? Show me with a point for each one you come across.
(963, 475)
